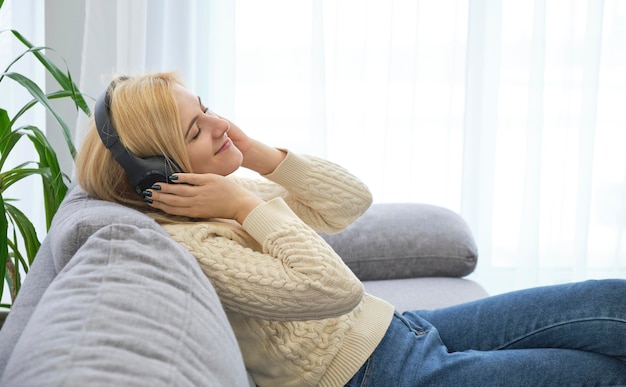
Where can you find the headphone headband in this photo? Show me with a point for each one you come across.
(142, 173)
(106, 130)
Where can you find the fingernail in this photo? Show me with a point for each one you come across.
(156, 187)
(173, 177)
(147, 200)
(146, 193)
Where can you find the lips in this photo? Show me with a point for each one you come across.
(226, 145)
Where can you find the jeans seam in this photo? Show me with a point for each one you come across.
(548, 327)
(366, 373)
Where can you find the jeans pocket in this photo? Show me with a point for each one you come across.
(414, 323)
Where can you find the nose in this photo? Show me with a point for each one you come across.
(219, 126)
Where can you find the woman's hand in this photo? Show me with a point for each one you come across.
(203, 196)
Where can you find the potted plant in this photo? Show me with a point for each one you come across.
(19, 241)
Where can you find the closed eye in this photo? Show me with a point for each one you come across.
(195, 136)
(204, 110)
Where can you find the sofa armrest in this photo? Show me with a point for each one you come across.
(406, 240)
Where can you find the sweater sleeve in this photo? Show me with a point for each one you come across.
(324, 195)
(296, 276)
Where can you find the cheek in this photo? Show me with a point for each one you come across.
(200, 160)
(203, 161)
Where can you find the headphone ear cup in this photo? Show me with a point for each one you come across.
(151, 170)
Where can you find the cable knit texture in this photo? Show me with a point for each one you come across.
(299, 314)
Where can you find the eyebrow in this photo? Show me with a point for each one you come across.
(193, 121)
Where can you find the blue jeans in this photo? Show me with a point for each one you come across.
(564, 335)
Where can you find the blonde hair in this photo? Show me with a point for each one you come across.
(144, 112)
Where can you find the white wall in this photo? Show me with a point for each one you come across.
(64, 20)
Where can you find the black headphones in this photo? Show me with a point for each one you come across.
(142, 172)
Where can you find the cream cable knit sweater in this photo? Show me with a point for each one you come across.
(301, 317)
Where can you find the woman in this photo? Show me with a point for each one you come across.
(300, 315)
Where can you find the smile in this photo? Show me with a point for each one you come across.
(226, 145)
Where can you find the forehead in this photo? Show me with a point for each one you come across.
(185, 97)
(187, 104)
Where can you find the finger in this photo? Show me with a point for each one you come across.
(169, 209)
(167, 188)
(190, 178)
(172, 196)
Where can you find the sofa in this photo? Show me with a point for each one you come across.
(111, 299)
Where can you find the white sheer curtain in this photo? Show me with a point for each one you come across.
(544, 174)
(510, 113)
(129, 37)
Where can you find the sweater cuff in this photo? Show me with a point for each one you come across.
(289, 172)
(262, 221)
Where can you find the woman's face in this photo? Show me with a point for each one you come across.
(206, 136)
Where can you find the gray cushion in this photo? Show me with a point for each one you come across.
(425, 293)
(128, 306)
(406, 240)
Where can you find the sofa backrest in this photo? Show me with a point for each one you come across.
(111, 299)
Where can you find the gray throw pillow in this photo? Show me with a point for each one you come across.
(406, 240)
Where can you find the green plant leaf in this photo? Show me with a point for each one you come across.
(65, 81)
(20, 172)
(17, 58)
(7, 143)
(27, 232)
(40, 96)
(13, 267)
(54, 181)
(4, 122)
(54, 95)
(47, 155)
(54, 186)
(4, 246)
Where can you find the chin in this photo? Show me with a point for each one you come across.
(225, 164)
(232, 167)
(231, 171)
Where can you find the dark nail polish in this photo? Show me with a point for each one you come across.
(173, 177)
(146, 193)
(156, 187)
(147, 200)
